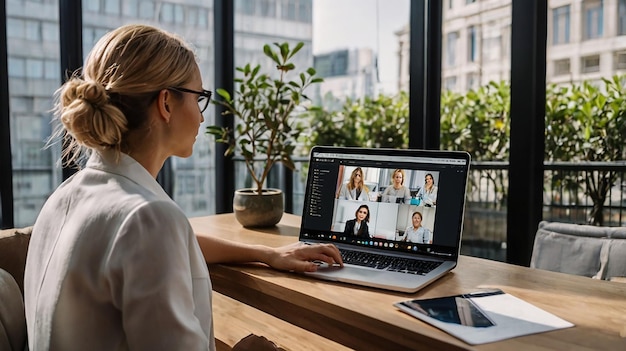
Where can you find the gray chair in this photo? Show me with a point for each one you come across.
(13, 249)
(12, 318)
(591, 251)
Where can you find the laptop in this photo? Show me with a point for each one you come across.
(383, 244)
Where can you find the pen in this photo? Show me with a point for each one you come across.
(484, 293)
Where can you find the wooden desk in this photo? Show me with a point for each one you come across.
(364, 318)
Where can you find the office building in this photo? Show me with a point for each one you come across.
(586, 41)
(347, 74)
(34, 75)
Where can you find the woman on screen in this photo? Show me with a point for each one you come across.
(416, 233)
(428, 194)
(355, 189)
(358, 226)
(397, 192)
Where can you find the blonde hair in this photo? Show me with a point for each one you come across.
(108, 98)
(393, 175)
(351, 185)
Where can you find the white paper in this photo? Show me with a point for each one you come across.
(512, 317)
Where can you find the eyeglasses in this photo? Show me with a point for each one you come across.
(203, 98)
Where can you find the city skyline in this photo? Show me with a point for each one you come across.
(375, 27)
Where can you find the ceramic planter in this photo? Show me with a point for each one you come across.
(254, 210)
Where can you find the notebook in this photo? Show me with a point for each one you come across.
(398, 236)
(483, 316)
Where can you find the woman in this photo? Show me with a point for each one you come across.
(397, 192)
(355, 189)
(113, 262)
(416, 233)
(428, 193)
(358, 226)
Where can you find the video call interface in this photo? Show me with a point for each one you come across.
(385, 203)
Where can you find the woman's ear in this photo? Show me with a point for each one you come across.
(164, 101)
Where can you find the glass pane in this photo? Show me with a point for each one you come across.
(621, 13)
(193, 177)
(352, 44)
(585, 71)
(360, 48)
(476, 60)
(34, 75)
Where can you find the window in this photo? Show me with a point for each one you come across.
(50, 31)
(592, 19)
(203, 17)
(33, 30)
(129, 8)
(473, 81)
(247, 6)
(470, 1)
(472, 44)
(112, 7)
(451, 40)
(92, 5)
(167, 12)
(179, 14)
(146, 9)
(17, 67)
(450, 83)
(304, 12)
(620, 60)
(591, 64)
(51, 69)
(172, 13)
(560, 23)
(34, 68)
(621, 14)
(197, 17)
(268, 8)
(561, 67)
(15, 28)
(492, 47)
(288, 10)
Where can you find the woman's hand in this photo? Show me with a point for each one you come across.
(299, 257)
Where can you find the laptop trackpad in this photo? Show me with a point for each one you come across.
(373, 277)
(349, 271)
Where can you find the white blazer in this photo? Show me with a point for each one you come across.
(113, 264)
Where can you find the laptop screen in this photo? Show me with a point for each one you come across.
(409, 201)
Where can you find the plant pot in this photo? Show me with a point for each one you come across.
(258, 210)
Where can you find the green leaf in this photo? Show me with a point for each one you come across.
(223, 93)
(296, 49)
(271, 54)
(284, 51)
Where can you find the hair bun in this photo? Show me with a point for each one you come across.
(92, 93)
(89, 117)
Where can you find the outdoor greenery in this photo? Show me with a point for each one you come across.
(587, 123)
(370, 122)
(478, 122)
(267, 113)
(584, 122)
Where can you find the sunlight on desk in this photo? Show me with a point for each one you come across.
(364, 318)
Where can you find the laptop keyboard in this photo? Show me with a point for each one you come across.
(394, 264)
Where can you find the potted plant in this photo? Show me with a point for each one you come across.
(266, 129)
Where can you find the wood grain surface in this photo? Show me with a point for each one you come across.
(365, 319)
